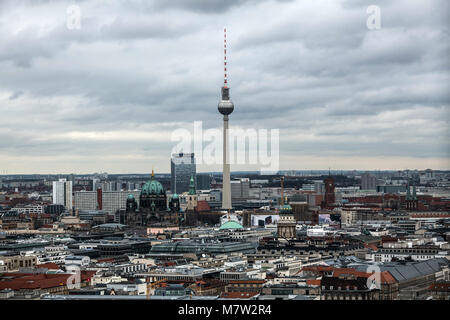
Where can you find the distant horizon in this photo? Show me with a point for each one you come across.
(319, 171)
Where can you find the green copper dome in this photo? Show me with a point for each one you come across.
(231, 225)
(286, 209)
(130, 196)
(175, 196)
(152, 187)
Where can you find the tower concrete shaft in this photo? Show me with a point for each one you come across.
(226, 185)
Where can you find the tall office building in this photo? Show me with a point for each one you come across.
(94, 182)
(182, 168)
(368, 181)
(330, 195)
(240, 189)
(317, 187)
(225, 107)
(86, 200)
(203, 181)
(62, 193)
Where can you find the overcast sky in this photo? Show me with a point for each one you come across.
(107, 96)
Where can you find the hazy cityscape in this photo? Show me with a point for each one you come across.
(291, 235)
(251, 198)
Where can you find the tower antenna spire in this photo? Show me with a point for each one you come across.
(225, 81)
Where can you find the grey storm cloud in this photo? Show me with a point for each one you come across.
(109, 94)
(205, 6)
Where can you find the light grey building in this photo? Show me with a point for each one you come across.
(85, 200)
(115, 200)
(240, 188)
(318, 186)
(62, 193)
(111, 201)
(368, 181)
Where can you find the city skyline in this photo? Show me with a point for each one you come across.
(106, 96)
(127, 173)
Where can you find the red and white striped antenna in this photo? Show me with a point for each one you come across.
(225, 57)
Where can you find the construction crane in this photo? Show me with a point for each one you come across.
(151, 285)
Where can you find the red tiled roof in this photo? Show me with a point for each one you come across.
(440, 286)
(247, 281)
(390, 239)
(238, 295)
(18, 281)
(342, 271)
(371, 246)
(49, 265)
(317, 268)
(210, 283)
(202, 206)
(385, 276)
(313, 282)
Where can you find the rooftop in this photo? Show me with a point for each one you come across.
(231, 225)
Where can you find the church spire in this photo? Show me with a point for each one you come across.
(408, 192)
(192, 190)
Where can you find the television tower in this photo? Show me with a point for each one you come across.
(225, 107)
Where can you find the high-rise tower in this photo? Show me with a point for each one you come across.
(62, 193)
(182, 168)
(225, 107)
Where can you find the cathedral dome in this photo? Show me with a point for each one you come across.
(231, 225)
(286, 209)
(175, 196)
(130, 197)
(152, 187)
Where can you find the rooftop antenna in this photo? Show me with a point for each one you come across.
(225, 81)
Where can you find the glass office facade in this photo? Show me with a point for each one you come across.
(182, 167)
